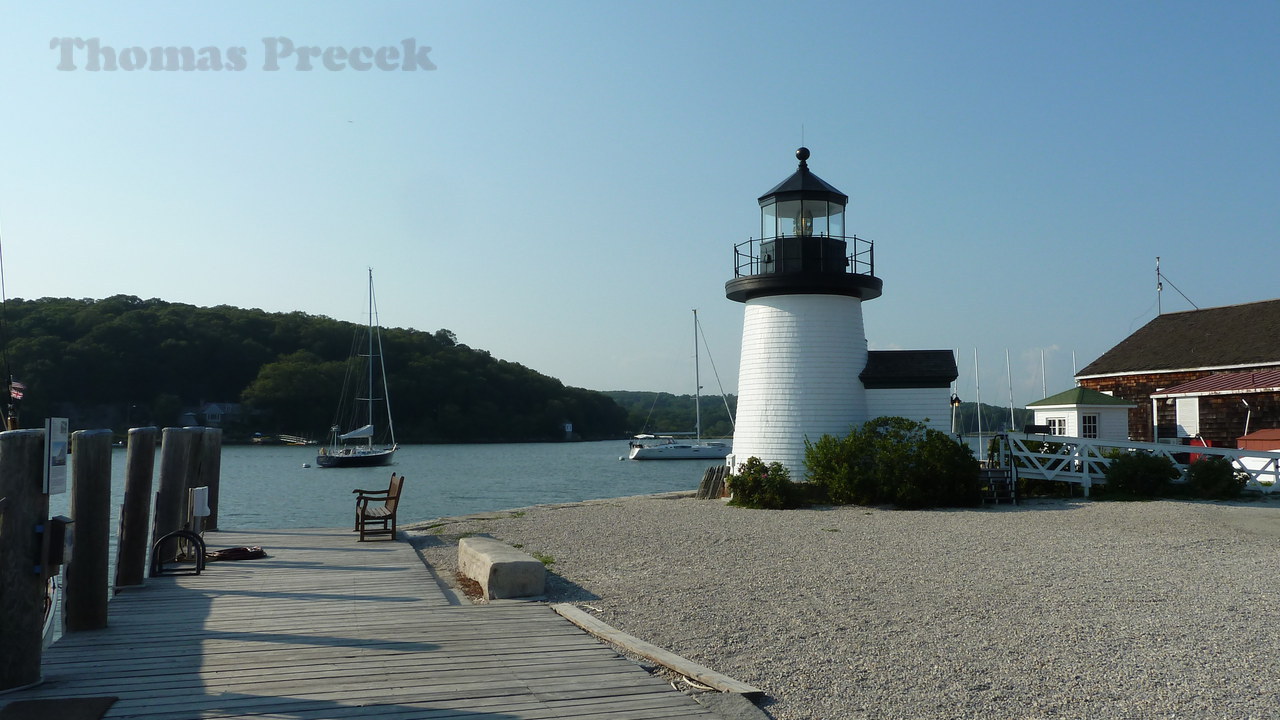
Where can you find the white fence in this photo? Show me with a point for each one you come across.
(1084, 461)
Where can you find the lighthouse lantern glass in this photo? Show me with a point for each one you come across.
(835, 219)
(803, 218)
(813, 218)
(769, 220)
(788, 214)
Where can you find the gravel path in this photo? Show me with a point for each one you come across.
(1055, 609)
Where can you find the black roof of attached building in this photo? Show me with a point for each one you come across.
(1213, 338)
(909, 369)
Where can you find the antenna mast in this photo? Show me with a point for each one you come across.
(1159, 286)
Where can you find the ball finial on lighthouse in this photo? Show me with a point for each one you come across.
(802, 155)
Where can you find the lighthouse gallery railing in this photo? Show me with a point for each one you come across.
(752, 257)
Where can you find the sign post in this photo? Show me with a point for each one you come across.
(55, 455)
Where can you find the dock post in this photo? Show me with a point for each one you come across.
(23, 505)
(135, 513)
(195, 468)
(203, 469)
(87, 573)
(211, 472)
(171, 499)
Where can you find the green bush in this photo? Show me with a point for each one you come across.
(1214, 477)
(1037, 487)
(897, 461)
(843, 469)
(764, 487)
(1139, 475)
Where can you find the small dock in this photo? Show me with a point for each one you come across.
(326, 627)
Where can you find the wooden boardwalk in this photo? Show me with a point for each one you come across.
(327, 627)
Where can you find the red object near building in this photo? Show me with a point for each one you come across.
(1260, 440)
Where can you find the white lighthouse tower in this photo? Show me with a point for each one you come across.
(803, 344)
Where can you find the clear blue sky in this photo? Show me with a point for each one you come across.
(570, 181)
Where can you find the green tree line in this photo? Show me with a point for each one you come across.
(123, 361)
(663, 412)
(994, 418)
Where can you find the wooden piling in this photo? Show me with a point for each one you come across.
(212, 449)
(171, 499)
(86, 591)
(135, 514)
(197, 460)
(21, 586)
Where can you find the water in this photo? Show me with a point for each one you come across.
(268, 487)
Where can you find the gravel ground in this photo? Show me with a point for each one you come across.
(1053, 609)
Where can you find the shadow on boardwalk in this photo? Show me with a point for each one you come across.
(326, 627)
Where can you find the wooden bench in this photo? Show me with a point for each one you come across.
(376, 509)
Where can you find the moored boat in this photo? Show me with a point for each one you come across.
(357, 448)
(666, 446)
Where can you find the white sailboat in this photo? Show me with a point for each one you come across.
(670, 446)
(341, 451)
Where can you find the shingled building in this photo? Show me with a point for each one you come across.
(1206, 373)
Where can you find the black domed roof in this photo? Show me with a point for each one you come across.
(804, 185)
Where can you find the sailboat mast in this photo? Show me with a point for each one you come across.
(382, 367)
(369, 399)
(697, 383)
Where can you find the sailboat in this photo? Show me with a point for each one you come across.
(356, 448)
(668, 446)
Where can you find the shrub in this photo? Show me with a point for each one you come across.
(1139, 475)
(894, 460)
(1036, 487)
(1214, 477)
(765, 487)
(843, 469)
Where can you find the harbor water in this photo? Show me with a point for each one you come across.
(270, 487)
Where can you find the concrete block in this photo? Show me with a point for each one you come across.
(501, 570)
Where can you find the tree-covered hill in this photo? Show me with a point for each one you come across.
(994, 418)
(124, 361)
(664, 412)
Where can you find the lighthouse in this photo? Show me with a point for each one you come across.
(803, 283)
(805, 370)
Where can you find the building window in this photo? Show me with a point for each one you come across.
(1089, 426)
(1057, 426)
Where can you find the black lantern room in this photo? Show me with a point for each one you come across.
(803, 247)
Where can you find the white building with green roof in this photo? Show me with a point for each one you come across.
(1081, 412)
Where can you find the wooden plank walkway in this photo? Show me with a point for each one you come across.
(328, 628)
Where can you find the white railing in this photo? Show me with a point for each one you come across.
(1084, 461)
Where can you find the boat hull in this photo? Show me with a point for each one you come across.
(375, 458)
(718, 451)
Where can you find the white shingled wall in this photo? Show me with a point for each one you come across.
(1113, 421)
(798, 376)
(931, 406)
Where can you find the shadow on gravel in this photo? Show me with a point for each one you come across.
(558, 589)
(562, 590)
(1028, 505)
(1036, 504)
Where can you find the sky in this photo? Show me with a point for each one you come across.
(561, 183)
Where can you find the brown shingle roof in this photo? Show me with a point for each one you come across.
(1222, 337)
